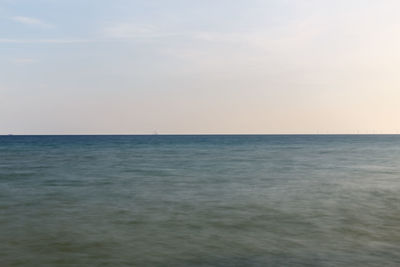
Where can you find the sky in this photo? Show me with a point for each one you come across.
(199, 67)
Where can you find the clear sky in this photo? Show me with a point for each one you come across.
(209, 66)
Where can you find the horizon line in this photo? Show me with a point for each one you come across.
(194, 134)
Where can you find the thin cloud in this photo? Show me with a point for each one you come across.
(31, 21)
(23, 61)
(127, 30)
(134, 31)
(43, 41)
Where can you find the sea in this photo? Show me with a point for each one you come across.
(200, 200)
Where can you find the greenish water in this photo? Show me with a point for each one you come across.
(200, 200)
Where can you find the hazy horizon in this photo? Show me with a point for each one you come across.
(209, 67)
(207, 134)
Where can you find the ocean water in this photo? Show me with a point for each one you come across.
(312, 200)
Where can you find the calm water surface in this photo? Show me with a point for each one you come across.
(200, 200)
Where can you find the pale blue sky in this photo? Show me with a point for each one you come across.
(220, 66)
